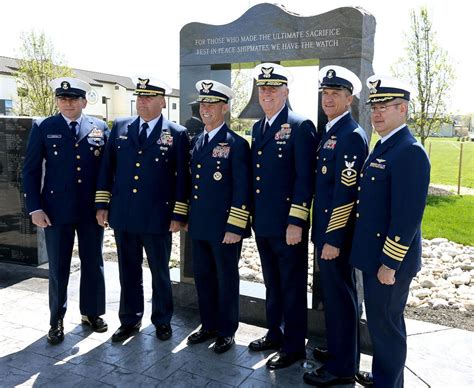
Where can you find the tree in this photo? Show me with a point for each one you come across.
(241, 80)
(37, 66)
(428, 69)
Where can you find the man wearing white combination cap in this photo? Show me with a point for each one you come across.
(142, 193)
(218, 216)
(283, 154)
(387, 237)
(340, 156)
(72, 146)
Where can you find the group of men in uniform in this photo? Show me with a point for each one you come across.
(148, 181)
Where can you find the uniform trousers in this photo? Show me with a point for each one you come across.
(285, 273)
(130, 256)
(216, 274)
(338, 286)
(384, 307)
(59, 245)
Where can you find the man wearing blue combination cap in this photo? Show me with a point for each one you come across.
(143, 193)
(62, 201)
(387, 239)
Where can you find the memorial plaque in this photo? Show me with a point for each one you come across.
(18, 236)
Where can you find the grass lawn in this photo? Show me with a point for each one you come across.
(444, 156)
(451, 217)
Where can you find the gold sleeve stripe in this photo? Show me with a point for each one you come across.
(391, 255)
(300, 207)
(182, 212)
(237, 210)
(103, 192)
(182, 204)
(298, 213)
(339, 225)
(395, 253)
(339, 218)
(340, 209)
(102, 195)
(402, 252)
(237, 222)
(395, 244)
(239, 216)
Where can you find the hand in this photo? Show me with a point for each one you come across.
(102, 216)
(294, 234)
(175, 226)
(329, 252)
(386, 275)
(186, 227)
(231, 238)
(41, 219)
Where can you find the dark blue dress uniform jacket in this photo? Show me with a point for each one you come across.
(71, 168)
(150, 189)
(392, 197)
(283, 173)
(220, 191)
(341, 154)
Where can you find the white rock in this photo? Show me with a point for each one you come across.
(439, 303)
(422, 293)
(427, 283)
(469, 305)
(439, 240)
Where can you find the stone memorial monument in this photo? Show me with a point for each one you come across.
(20, 242)
(269, 33)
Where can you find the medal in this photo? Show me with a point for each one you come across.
(324, 170)
(96, 152)
(217, 176)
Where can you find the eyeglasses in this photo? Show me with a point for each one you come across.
(382, 109)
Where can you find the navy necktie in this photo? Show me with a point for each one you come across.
(73, 125)
(143, 135)
(206, 140)
(266, 128)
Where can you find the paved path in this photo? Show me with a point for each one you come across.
(437, 357)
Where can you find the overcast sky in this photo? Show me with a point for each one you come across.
(142, 37)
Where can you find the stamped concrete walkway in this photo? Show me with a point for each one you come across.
(437, 356)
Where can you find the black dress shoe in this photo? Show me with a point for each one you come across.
(163, 332)
(282, 359)
(56, 333)
(124, 332)
(96, 323)
(264, 344)
(322, 378)
(321, 354)
(223, 344)
(364, 378)
(201, 336)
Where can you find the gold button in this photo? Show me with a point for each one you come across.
(157, 159)
(325, 210)
(244, 207)
(357, 215)
(78, 169)
(280, 155)
(357, 201)
(55, 152)
(373, 178)
(218, 167)
(317, 157)
(135, 177)
(287, 199)
(137, 164)
(195, 197)
(77, 145)
(140, 152)
(54, 145)
(198, 166)
(196, 187)
(79, 181)
(361, 174)
(257, 178)
(78, 156)
(257, 165)
(259, 152)
(134, 190)
(358, 189)
(218, 162)
(279, 148)
(304, 204)
(378, 234)
(52, 191)
(324, 159)
(197, 176)
(257, 191)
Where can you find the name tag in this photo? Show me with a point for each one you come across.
(54, 136)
